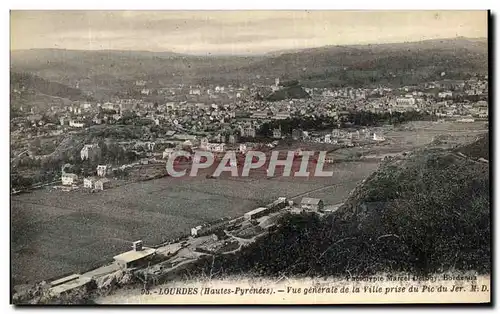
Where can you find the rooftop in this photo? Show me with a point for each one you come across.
(257, 210)
(132, 255)
(64, 279)
(70, 285)
(310, 201)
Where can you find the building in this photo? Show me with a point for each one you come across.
(249, 132)
(465, 120)
(260, 115)
(69, 178)
(66, 279)
(216, 147)
(243, 148)
(308, 203)
(102, 184)
(278, 204)
(282, 116)
(277, 133)
(89, 182)
(233, 138)
(328, 138)
(297, 134)
(90, 151)
(68, 284)
(167, 153)
(103, 170)
(136, 257)
(219, 138)
(445, 94)
(405, 102)
(257, 213)
(76, 124)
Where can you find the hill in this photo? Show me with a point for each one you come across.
(386, 64)
(30, 82)
(30, 89)
(356, 65)
(114, 70)
(425, 214)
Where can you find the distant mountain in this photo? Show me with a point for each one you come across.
(115, 70)
(392, 64)
(355, 65)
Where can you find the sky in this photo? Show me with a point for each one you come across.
(234, 32)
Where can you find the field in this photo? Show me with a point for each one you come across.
(62, 232)
(56, 232)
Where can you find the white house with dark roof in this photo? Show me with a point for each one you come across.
(314, 204)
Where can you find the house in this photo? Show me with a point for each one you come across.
(308, 203)
(277, 133)
(136, 257)
(102, 184)
(89, 182)
(90, 151)
(249, 132)
(297, 134)
(76, 124)
(150, 146)
(103, 170)
(69, 178)
(328, 138)
(233, 138)
(167, 153)
(219, 138)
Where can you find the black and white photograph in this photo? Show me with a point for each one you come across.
(187, 157)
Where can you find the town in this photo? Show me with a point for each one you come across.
(229, 119)
(88, 148)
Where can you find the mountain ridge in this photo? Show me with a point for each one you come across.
(328, 66)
